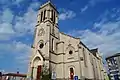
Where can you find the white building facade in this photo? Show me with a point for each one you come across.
(114, 66)
(64, 55)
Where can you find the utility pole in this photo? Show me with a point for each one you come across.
(17, 70)
(0, 75)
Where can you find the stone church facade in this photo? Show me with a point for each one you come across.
(63, 54)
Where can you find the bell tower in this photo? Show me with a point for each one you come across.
(47, 31)
(45, 38)
(46, 12)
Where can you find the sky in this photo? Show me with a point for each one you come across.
(95, 22)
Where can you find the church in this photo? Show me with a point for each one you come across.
(65, 56)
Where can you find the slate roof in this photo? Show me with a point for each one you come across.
(94, 51)
(15, 74)
(115, 55)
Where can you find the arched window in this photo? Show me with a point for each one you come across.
(52, 44)
(71, 70)
(44, 14)
(41, 16)
(52, 15)
(85, 57)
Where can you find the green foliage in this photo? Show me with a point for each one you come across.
(46, 74)
(46, 77)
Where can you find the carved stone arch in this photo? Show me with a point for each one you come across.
(36, 66)
(40, 41)
(70, 49)
(39, 57)
(69, 68)
(41, 32)
(36, 61)
(41, 54)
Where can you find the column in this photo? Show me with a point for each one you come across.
(41, 18)
(50, 14)
(34, 73)
(46, 15)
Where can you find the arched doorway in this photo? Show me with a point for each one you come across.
(36, 68)
(71, 73)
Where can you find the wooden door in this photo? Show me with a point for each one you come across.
(38, 72)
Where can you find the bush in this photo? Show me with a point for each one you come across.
(46, 77)
(46, 74)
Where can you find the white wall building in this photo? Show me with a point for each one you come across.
(63, 54)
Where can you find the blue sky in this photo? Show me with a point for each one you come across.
(95, 22)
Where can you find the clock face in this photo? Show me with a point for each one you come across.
(41, 32)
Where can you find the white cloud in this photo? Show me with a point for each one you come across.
(20, 50)
(8, 3)
(6, 31)
(35, 5)
(6, 28)
(4, 1)
(24, 50)
(20, 53)
(107, 43)
(84, 9)
(17, 1)
(7, 16)
(67, 15)
(22, 24)
(92, 3)
(110, 27)
(105, 35)
(12, 26)
(26, 23)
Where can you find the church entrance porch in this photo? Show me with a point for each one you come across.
(36, 69)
